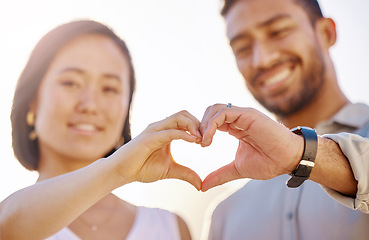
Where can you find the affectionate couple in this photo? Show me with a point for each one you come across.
(71, 124)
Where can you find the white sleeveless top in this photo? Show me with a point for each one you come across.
(149, 224)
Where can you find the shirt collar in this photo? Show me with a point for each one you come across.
(355, 115)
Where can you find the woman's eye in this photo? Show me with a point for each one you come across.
(109, 89)
(70, 83)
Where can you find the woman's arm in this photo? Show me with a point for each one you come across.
(39, 211)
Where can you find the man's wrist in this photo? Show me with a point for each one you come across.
(298, 146)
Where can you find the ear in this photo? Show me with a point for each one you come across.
(326, 29)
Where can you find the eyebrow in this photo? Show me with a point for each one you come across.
(71, 69)
(77, 70)
(261, 25)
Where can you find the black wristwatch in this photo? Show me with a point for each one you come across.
(303, 170)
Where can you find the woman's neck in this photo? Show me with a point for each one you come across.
(52, 165)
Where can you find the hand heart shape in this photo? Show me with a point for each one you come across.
(261, 151)
(262, 143)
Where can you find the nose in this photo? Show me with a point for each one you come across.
(88, 100)
(264, 55)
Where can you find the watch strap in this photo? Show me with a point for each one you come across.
(303, 170)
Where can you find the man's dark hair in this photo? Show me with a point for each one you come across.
(310, 6)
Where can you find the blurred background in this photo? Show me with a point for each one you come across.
(182, 61)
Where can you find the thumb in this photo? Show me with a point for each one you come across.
(186, 174)
(222, 175)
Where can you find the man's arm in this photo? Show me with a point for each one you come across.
(332, 169)
(268, 149)
(356, 149)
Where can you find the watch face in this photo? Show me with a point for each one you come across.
(297, 130)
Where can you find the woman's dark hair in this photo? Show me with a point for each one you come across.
(25, 150)
(311, 7)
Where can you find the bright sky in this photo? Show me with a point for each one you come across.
(182, 61)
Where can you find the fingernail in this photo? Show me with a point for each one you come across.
(198, 140)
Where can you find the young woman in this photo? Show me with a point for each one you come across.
(70, 117)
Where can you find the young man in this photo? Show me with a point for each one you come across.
(282, 50)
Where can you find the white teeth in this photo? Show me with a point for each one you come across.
(278, 77)
(86, 127)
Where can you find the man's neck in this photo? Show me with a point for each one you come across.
(316, 112)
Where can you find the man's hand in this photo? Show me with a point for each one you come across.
(266, 148)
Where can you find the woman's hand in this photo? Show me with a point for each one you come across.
(147, 157)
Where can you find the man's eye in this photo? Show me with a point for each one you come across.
(280, 33)
(276, 33)
(242, 51)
